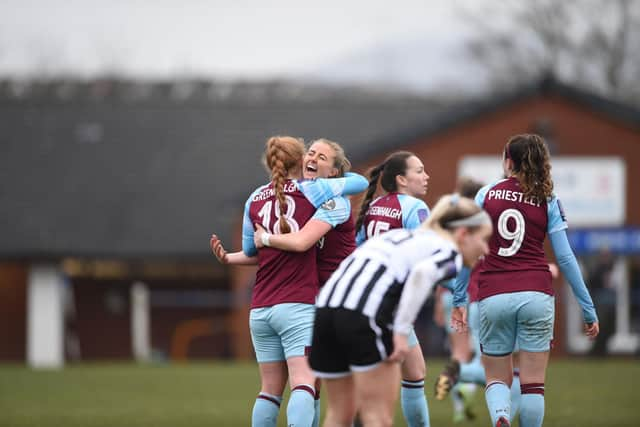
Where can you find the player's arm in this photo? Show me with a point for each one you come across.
(361, 236)
(325, 218)
(556, 229)
(248, 247)
(248, 255)
(299, 241)
(569, 267)
(234, 258)
(420, 283)
(416, 215)
(460, 287)
(321, 190)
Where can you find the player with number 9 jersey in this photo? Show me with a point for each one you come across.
(517, 307)
(516, 261)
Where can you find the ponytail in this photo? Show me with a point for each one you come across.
(395, 164)
(371, 190)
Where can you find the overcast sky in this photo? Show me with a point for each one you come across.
(228, 39)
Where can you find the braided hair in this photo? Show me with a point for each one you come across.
(282, 155)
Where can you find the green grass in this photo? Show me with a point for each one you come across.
(578, 393)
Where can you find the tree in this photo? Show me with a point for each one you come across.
(593, 44)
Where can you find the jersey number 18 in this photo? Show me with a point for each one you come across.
(265, 214)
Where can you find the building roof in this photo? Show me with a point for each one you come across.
(134, 170)
(128, 170)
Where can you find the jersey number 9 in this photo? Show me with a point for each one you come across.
(517, 235)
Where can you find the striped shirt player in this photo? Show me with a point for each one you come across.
(358, 308)
(393, 210)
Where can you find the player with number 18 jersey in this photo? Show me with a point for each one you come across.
(289, 277)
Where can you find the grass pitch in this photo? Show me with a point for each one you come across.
(579, 392)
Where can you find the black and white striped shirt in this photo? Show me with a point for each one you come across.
(372, 279)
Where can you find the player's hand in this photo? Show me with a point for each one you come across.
(400, 348)
(592, 330)
(218, 250)
(257, 236)
(459, 319)
(553, 269)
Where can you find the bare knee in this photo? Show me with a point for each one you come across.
(376, 419)
(338, 418)
(413, 367)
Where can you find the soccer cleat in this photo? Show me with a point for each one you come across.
(447, 379)
(503, 422)
(467, 396)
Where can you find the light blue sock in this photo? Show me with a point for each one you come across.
(301, 406)
(265, 410)
(532, 405)
(498, 399)
(316, 416)
(515, 394)
(472, 372)
(414, 403)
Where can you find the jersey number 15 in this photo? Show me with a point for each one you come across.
(375, 228)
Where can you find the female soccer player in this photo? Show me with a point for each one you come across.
(514, 283)
(331, 227)
(286, 282)
(465, 349)
(404, 179)
(366, 310)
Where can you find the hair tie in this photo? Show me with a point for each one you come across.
(475, 220)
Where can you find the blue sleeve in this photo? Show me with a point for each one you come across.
(320, 190)
(482, 194)
(556, 220)
(460, 287)
(448, 284)
(248, 246)
(414, 211)
(334, 212)
(361, 236)
(571, 271)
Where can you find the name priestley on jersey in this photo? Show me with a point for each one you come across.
(512, 196)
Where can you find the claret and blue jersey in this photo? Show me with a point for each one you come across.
(516, 260)
(393, 210)
(291, 277)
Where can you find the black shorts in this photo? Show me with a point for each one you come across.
(346, 341)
